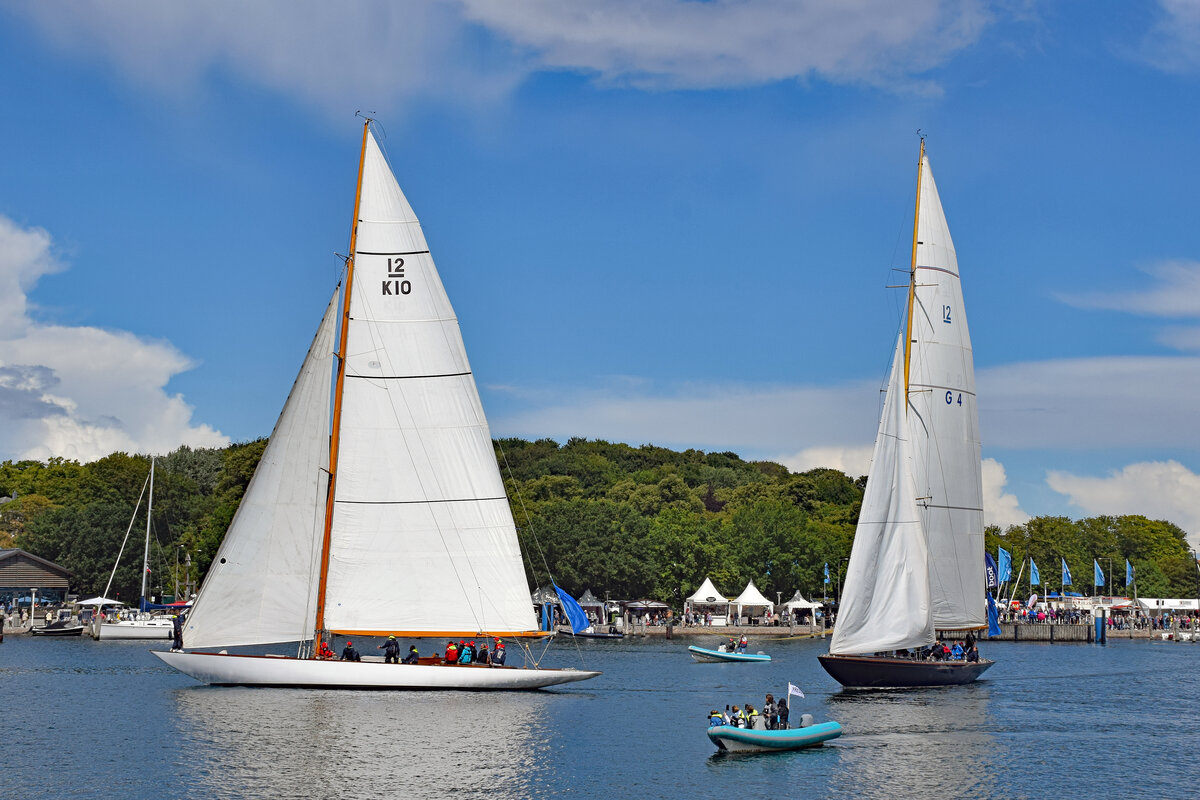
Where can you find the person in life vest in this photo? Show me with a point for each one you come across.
(737, 718)
(350, 654)
(715, 719)
(391, 650)
(413, 656)
(498, 654)
(325, 652)
(466, 654)
(743, 643)
(451, 652)
(755, 720)
(482, 655)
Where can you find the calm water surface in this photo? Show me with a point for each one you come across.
(85, 719)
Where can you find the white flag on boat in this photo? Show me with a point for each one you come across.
(793, 689)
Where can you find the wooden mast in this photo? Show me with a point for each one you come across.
(337, 400)
(912, 275)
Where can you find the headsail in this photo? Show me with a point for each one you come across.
(944, 421)
(261, 585)
(885, 604)
(422, 538)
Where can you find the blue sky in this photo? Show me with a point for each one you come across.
(666, 222)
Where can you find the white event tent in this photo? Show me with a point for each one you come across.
(708, 598)
(751, 597)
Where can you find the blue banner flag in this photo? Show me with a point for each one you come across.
(1005, 565)
(827, 573)
(1128, 573)
(993, 616)
(989, 569)
(1098, 579)
(1034, 578)
(574, 611)
(1066, 572)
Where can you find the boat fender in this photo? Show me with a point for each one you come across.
(806, 720)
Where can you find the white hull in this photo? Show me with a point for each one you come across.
(221, 669)
(135, 630)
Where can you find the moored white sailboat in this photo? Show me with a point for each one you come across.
(916, 566)
(388, 517)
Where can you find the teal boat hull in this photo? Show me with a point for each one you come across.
(706, 655)
(729, 739)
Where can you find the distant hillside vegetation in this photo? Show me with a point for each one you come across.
(625, 522)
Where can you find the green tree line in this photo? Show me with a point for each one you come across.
(625, 522)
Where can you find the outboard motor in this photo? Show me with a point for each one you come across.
(806, 720)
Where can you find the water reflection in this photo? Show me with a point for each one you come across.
(935, 741)
(284, 743)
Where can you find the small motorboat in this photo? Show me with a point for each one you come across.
(703, 654)
(63, 626)
(731, 739)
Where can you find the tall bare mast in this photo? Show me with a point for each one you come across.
(146, 552)
(337, 397)
(912, 274)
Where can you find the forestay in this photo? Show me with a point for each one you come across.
(885, 604)
(422, 539)
(261, 586)
(944, 422)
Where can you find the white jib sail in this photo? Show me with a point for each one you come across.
(261, 587)
(423, 539)
(945, 423)
(885, 604)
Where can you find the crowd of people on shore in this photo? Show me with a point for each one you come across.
(772, 717)
(461, 652)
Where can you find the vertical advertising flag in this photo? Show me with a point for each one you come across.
(993, 616)
(1066, 572)
(827, 573)
(989, 570)
(1098, 579)
(1034, 578)
(1005, 565)
(1128, 573)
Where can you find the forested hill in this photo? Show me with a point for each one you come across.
(626, 522)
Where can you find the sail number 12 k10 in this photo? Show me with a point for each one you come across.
(396, 282)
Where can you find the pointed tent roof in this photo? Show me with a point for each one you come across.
(589, 599)
(707, 593)
(751, 596)
(798, 601)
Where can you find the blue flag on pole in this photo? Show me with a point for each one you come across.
(826, 573)
(574, 611)
(993, 616)
(1034, 578)
(1066, 572)
(1005, 565)
(1098, 578)
(989, 570)
(1128, 573)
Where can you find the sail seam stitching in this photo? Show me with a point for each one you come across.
(408, 377)
(416, 502)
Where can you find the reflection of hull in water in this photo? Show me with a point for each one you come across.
(703, 654)
(744, 740)
(222, 669)
(877, 672)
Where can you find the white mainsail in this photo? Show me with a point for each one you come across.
(944, 421)
(261, 586)
(422, 538)
(885, 604)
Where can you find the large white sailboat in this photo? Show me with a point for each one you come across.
(386, 517)
(917, 564)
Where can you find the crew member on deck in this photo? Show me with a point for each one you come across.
(350, 654)
(413, 656)
(498, 654)
(466, 653)
(177, 632)
(451, 652)
(325, 652)
(391, 650)
(481, 657)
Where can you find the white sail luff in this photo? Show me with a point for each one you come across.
(885, 603)
(944, 423)
(261, 586)
(422, 538)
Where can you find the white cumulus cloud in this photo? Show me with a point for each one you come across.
(1173, 42)
(379, 55)
(1176, 292)
(80, 392)
(1156, 489)
(854, 461)
(999, 507)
